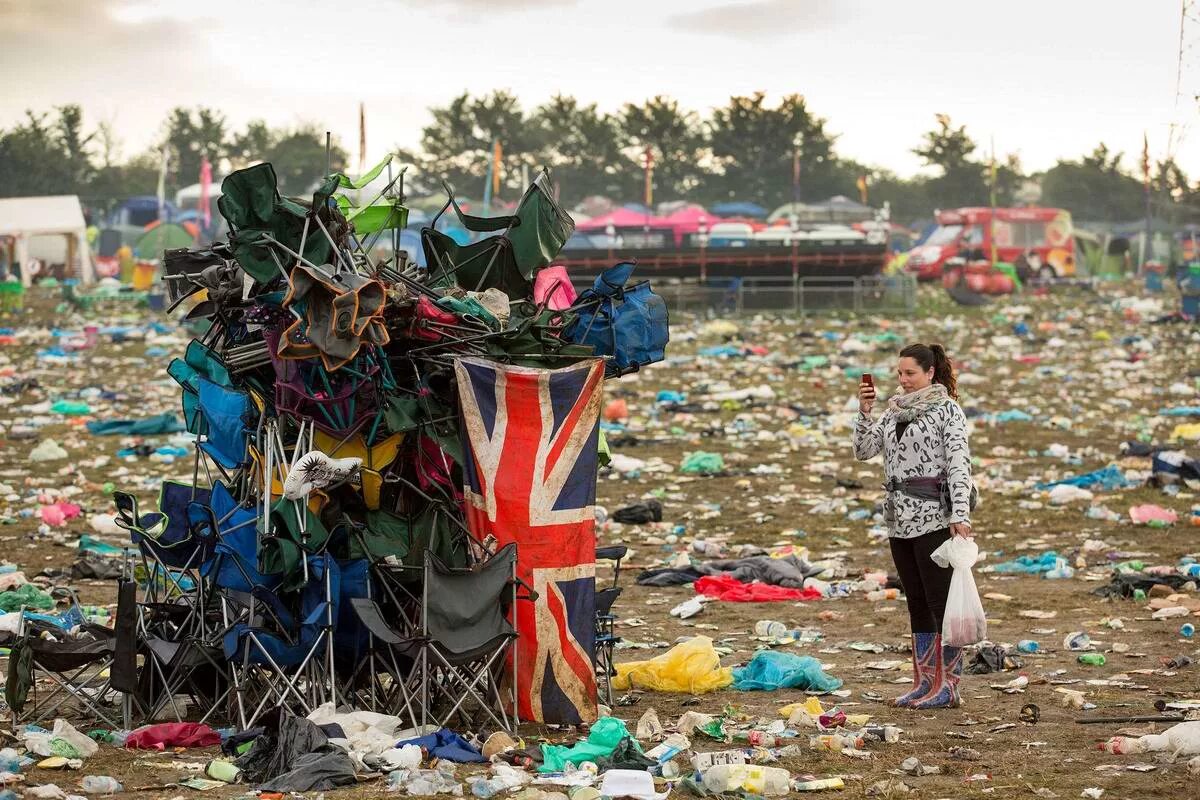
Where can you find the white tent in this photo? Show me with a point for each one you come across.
(23, 218)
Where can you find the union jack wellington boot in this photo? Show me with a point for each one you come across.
(924, 650)
(944, 693)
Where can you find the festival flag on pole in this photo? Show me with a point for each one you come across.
(862, 188)
(205, 189)
(362, 138)
(530, 440)
(161, 192)
(648, 195)
(497, 155)
(1145, 162)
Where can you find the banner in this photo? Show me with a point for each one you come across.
(530, 452)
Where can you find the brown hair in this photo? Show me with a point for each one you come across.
(934, 356)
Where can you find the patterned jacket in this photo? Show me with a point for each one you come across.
(933, 444)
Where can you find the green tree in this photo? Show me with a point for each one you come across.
(961, 180)
(191, 135)
(676, 141)
(35, 158)
(251, 145)
(298, 156)
(1094, 188)
(457, 145)
(581, 147)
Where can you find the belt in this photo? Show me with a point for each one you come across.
(914, 484)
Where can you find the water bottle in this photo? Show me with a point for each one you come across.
(1028, 646)
(1092, 659)
(1188, 630)
(101, 784)
(883, 594)
(770, 629)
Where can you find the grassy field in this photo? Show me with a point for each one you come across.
(1089, 375)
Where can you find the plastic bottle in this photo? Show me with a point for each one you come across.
(757, 738)
(1028, 646)
(770, 629)
(888, 734)
(834, 742)
(1093, 659)
(883, 594)
(769, 781)
(1187, 630)
(101, 784)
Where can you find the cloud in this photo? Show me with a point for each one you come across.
(761, 19)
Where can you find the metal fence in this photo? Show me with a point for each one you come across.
(878, 294)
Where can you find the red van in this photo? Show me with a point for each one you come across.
(1039, 241)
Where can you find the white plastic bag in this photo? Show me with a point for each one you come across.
(965, 622)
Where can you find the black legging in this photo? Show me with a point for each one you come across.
(926, 585)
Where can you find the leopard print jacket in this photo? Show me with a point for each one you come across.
(933, 444)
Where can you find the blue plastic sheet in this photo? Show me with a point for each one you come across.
(1029, 565)
(769, 670)
(148, 426)
(1106, 480)
(1180, 411)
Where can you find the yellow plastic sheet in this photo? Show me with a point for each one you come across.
(1191, 431)
(693, 667)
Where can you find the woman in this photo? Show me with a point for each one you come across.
(923, 436)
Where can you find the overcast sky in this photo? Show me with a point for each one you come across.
(1046, 79)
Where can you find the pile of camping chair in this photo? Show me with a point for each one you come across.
(319, 552)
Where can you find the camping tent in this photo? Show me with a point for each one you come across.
(23, 218)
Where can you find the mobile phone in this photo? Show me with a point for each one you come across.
(867, 379)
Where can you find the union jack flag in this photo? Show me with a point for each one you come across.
(530, 447)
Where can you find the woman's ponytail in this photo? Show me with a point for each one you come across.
(943, 370)
(933, 356)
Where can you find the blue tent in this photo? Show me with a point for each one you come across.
(739, 210)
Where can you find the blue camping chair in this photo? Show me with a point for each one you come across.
(627, 323)
(281, 659)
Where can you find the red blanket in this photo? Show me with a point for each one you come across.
(725, 587)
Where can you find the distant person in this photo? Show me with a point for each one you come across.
(923, 437)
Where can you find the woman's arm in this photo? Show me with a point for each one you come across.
(958, 465)
(868, 436)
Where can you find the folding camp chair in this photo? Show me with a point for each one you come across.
(93, 668)
(280, 659)
(525, 242)
(606, 638)
(628, 324)
(460, 651)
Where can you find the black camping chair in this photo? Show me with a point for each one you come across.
(94, 668)
(606, 638)
(458, 655)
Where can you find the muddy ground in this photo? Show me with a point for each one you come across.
(1072, 375)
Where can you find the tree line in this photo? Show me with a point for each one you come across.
(748, 150)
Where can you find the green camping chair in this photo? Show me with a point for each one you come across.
(526, 242)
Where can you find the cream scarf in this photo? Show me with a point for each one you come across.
(907, 407)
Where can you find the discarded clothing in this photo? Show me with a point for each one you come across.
(788, 571)
(728, 588)
(448, 745)
(149, 426)
(172, 734)
(1124, 584)
(294, 755)
(639, 513)
(769, 670)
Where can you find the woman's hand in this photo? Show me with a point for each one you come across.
(866, 397)
(962, 529)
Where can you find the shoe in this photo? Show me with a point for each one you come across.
(923, 668)
(944, 693)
